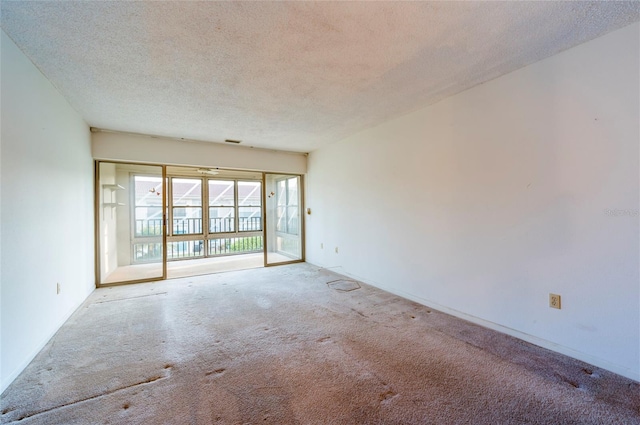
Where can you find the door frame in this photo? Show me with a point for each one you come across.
(96, 214)
(302, 218)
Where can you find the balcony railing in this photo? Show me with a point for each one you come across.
(151, 250)
(226, 224)
(221, 224)
(230, 246)
(149, 227)
(250, 224)
(187, 226)
(184, 249)
(147, 252)
(193, 226)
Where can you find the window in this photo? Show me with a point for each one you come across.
(186, 196)
(231, 209)
(249, 206)
(147, 206)
(222, 210)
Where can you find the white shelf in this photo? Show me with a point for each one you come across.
(110, 195)
(112, 187)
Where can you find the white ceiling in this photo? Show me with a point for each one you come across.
(285, 75)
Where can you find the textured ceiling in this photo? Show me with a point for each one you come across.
(285, 75)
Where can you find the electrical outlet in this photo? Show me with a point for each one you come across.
(555, 301)
(321, 246)
(58, 288)
(336, 250)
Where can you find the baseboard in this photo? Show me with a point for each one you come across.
(6, 381)
(558, 348)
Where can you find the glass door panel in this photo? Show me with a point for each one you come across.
(283, 219)
(130, 223)
(186, 236)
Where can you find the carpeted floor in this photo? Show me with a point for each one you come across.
(282, 346)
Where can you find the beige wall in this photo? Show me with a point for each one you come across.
(156, 150)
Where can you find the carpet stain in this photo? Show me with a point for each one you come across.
(359, 312)
(148, 381)
(343, 285)
(323, 339)
(216, 372)
(386, 397)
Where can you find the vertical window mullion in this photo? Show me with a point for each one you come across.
(235, 207)
(205, 216)
(134, 213)
(287, 212)
(170, 205)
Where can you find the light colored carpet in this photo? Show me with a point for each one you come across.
(282, 346)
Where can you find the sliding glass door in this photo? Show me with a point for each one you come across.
(283, 196)
(130, 223)
(154, 221)
(185, 231)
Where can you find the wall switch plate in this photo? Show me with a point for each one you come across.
(555, 301)
(336, 250)
(321, 246)
(57, 288)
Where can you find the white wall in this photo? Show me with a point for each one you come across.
(47, 211)
(484, 203)
(158, 150)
